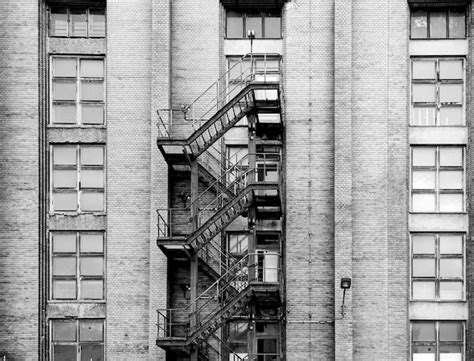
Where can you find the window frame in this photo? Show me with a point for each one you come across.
(262, 15)
(69, 9)
(447, 10)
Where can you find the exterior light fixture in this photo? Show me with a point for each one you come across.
(251, 36)
(345, 285)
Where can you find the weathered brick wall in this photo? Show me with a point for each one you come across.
(19, 180)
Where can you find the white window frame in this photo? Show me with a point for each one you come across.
(69, 25)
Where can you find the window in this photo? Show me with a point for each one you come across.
(437, 179)
(266, 25)
(437, 271)
(267, 334)
(238, 342)
(77, 265)
(78, 93)
(78, 178)
(79, 340)
(238, 242)
(77, 22)
(437, 340)
(438, 23)
(437, 96)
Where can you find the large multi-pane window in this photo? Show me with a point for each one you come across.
(77, 340)
(77, 22)
(437, 341)
(77, 90)
(78, 178)
(266, 25)
(437, 179)
(437, 96)
(437, 270)
(77, 265)
(438, 23)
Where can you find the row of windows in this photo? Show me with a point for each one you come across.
(438, 23)
(77, 22)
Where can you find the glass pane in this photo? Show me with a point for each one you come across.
(92, 352)
(64, 353)
(423, 244)
(238, 243)
(58, 22)
(423, 116)
(272, 26)
(451, 356)
(238, 331)
(457, 24)
(92, 266)
(64, 113)
(64, 90)
(438, 24)
(92, 114)
(92, 201)
(64, 331)
(450, 69)
(423, 202)
(64, 201)
(235, 25)
(451, 203)
(424, 179)
(96, 23)
(451, 116)
(254, 22)
(65, 243)
(450, 179)
(92, 178)
(450, 93)
(92, 155)
(92, 289)
(424, 69)
(266, 346)
(419, 24)
(238, 155)
(450, 290)
(424, 353)
(450, 267)
(92, 68)
(64, 178)
(64, 266)
(78, 22)
(64, 289)
(92, 243)
(424, 93)
(423, 290)
(451, 156)
(92, 90)
(91, 331)
(450, 331)
(64, 67)
(64, 155)
(423, 267)
(424, 156)
(424, 331)
(450, 244)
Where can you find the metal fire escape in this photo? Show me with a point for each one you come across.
(250, 187)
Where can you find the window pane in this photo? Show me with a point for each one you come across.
(78, 22)
(92, 90)
(424, 179)
(457, 24)
(65, 243)
(92, 352)
(96, 22)
(424, 202)
(450, 93)
(423, 244)
(92, 243)
(91, 331)
(424, 69)
(92, 114)
(424, 93)
(64, 201)
(92, 266)
(424, 331)
(450, 179)
(272, 26)
(451, 116)
(58, 22)
(64, 178)
(64, 289)
(451, 203)
(238, 243)
(64, 353)
(450, 244)
(92, 68)
(450, 267)
(423, 290)
(419, 24)
(438, 24)
(450, 331)
(64, 330)
(64, 113)
(92, 201)
(423, 156)
(423, 116)
(423, 267)
(451, 156)
(238, 331)
(64, 67)
(64, 90)
(92, 289)
(450, 290)
(64, 266)
(92, 178)
(64, 155)
(235, 25)
(424, 353)
(92, 155)
(254, 22)
(450, 69)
